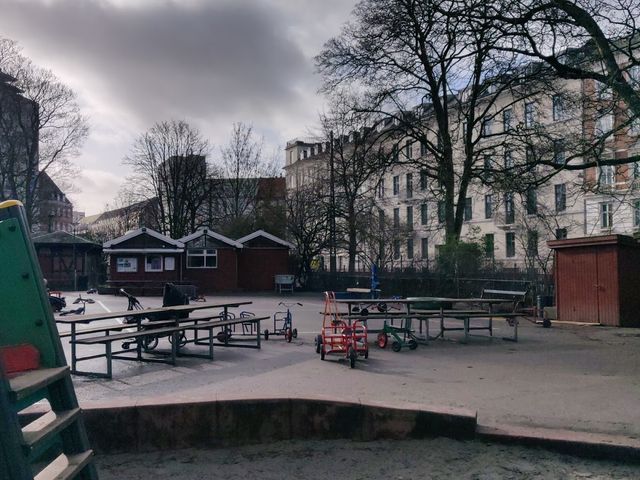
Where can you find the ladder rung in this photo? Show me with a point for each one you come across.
(47, 425)
(29, 382)
(65, 467)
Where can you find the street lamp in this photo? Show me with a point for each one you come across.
(75, 271)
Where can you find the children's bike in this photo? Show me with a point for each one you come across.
(283, 323)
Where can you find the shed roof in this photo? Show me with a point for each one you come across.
(62, 238)
(212, 234)
(141, 231)
(262, 233)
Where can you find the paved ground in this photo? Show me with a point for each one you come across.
(581, 378)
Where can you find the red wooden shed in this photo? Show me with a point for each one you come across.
(597, 280)
(263, 256)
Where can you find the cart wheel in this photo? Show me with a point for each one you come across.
(222, 337)
(149, 342)
(396, 346)
(382, 307)
(295, 333)
(266, 334)
(322, 354)
(352, 357)
(383, 338)
(413, 344)
(288, 334)
(318, 343)
(125, 346)
(364, 312)
(366, 353)
(546, 323)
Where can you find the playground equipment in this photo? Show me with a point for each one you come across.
(338, 337)
(403, 337)
(283, 323)
(33, 368)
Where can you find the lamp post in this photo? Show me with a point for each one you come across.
(75, 271)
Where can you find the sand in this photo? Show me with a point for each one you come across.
(342, 459)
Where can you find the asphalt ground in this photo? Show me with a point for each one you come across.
(581, 378)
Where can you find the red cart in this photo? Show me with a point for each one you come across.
(339, 337)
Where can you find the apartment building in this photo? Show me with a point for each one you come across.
(513, 226)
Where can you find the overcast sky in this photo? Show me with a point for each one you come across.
(210, 62)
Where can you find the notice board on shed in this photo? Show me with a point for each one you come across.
(597, 280)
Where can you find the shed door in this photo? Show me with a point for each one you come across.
(587, 291)
(607, 285)
(577, 292)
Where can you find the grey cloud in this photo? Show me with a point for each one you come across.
(163, 59)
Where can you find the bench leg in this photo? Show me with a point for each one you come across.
(73, 348)
(109, 360)
(258, 334)
(174, 347)
(466, 330)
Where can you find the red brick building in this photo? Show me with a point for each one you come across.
(212, 262)
(263, 256)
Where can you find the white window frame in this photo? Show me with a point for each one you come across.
(147, 264)
(606, 216)
(606, 175)
(169, 264)
(133, 265)
(202, 252)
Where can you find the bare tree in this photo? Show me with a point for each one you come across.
(169, 163)
(308, 224)
(242, 165)
(403, 53)
(41, 127)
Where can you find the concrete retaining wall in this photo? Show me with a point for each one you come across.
(141, 428)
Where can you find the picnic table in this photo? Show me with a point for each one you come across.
(406, 312)
(174, 325)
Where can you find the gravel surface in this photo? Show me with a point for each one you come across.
(399, 460)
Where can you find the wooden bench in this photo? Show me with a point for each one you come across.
(175, 332)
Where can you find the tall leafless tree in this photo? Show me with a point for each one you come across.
(241, 166)
(169, 164)
(41, 130)
(405, 52)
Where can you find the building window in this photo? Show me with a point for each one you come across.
(532, 243)
(396, 249)
(381, 188)
(486, 127)
(603, 91)
(636, 213)
(559, 156)
(489, 245)
(424, 248)
(202, 258)
(558, 108)
(604, 124)
(488, 206)
(636, 170)
(561, 233)
(532, 202)
(153, 263)
(410, 217)
(607, 175)
(509, 214)
(468, 212)
(510, 241)
(409, 185)
(423, 180)
(561, 197)
(396, 185)
(127, 264)
(169, 263)
(487, 167)
(634, 75)
(410, 248)
(606, 215)
(508, 159)
(407, 149)
(424, 219)
(423, 149)
(394, 153)
(529, 114)
(507, 119)
(441, 212)
(396, 218)
(530, 155)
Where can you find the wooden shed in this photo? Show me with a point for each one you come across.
(597, 280)
(263, 256)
